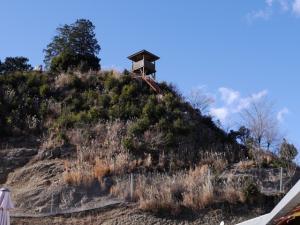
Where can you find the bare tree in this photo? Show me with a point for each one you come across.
(261, 120)
(199, 99)
(272, 135)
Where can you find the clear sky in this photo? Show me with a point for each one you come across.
(234, 50)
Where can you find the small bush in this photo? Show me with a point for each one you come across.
(139, 126)
(128, 144)
(44, 90)
(251, 192)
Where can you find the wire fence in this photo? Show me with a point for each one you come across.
(270, 181)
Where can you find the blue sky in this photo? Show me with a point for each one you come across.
(232, 49)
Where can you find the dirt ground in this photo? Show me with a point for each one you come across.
(130, 215)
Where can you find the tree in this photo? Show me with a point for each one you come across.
(287, 151)
(12, 64)
(200, 100)
(67, 61)
(242, 135)
(260, 119)
(75, 43)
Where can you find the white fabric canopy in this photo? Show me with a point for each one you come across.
(5, 205)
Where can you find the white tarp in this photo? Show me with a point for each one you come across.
(5, 206)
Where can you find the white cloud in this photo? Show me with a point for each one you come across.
(264, 14)
(220, 113)
(271, 8)
(269, 2)
(229, 103)
(281, 114)
(228, 95)
(296, 7)
(284, 5)
(259, 95)
(244, 103)
(233, 103)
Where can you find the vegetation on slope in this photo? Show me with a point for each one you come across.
(39, 104)
(103, 125)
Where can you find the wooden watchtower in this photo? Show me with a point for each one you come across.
(143, 65)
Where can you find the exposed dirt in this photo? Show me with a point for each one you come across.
(130, 215)
(10, 159)
(38, 188)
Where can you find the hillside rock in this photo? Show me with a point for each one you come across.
(56, 153)
(10, 159)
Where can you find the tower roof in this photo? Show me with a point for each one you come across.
(143, 53)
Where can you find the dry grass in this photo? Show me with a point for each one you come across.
(232, 194)
(78, 174)
(51, 141)
(63, 80)
(84, 174)
(101, 169)
(104, 155)
(261, 156)
(216, 160)
(194, 189)
(245, 165)
(99, 152)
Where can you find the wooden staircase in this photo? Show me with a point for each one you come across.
(152, 83)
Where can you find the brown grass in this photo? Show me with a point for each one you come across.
(51, 141)
(193, 189)
(245, 165)
(78, 176)
(83, 173)
(101, 169)
(104, 155)
(232, 194)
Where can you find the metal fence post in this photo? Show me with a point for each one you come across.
(131, 186)
(51, 209)
(281, 187)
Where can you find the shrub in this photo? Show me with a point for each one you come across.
(139, 126)
(129, 91)
(44, 90)
(287, 151)
(128, 144)
(251, 192)
(70, 62)
(110, 83)
(13, 64)
(68, 120)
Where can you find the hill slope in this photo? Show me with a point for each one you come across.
(73, 140)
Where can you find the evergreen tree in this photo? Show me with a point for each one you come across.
(73, 46)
